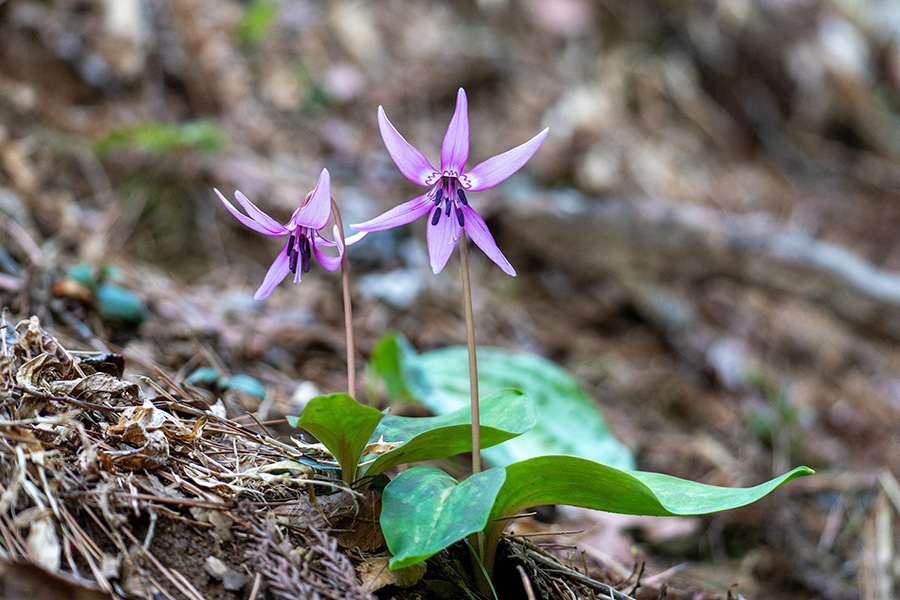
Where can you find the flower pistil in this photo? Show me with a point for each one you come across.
(448, 197)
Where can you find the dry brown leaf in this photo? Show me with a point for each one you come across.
(38, 371)
(97, 388)
(141, 426)
(354, 519)
(44, 544)
(374, 574)
(380, 447)
(152, 454)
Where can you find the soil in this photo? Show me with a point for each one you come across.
(705, 241)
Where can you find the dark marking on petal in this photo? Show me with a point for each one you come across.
(459, 217)
(436, 216)
(462, 197)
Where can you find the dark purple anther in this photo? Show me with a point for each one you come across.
(304, 254)
(290, 245)
(462, 197)
(438, 197)
(449, 207)
(459, 217)
(292, 260)
(436, 217)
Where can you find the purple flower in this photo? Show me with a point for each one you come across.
(446, 201)
(303, 230)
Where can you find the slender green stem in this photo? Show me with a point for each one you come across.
(473, 364)
(348, 310)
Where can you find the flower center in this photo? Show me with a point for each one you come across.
(298, 250)
(449, 197)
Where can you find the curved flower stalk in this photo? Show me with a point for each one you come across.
(446, 201)
(303, 231)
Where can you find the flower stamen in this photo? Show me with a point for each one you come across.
(291, 251)
(305, 253)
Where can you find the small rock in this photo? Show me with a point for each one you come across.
(216, 568)
(234, 581)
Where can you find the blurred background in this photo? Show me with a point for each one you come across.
(707, 239)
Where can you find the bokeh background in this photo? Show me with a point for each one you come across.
(707, 239)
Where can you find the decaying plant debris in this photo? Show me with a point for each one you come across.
(96, 472)
(143, 491)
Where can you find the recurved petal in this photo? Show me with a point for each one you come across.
(332, 263)
(254, 225)
(256, 214)
(399, 215)
(494, 170)
(316, 212)
(276, 273)
(408, 159)
(442, 238)
(349, 240)
(478, 231)
(455, 149)
(356, 237)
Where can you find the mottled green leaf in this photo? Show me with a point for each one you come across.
(568, 420)
(424, 510)
(579, 482)
(504, 415)
(343, 425)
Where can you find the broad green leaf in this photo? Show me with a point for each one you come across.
(579, 482)
(343, 425)
(204, 376)
(243, 383)
(396, 363)
(504, 415)
(424, 510)
(119, 304)
(568, 420)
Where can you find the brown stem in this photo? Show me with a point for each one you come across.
(348, 310)
(473, 365)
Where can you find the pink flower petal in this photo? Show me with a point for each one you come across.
(478, 231)
(496, 169)
(256, 214)
(442, 239)
(317, 211)
(254, 225)
(331, 263)
(356, 237)
(410, 161)
(276, 273)
(455, 149)
(399, 215)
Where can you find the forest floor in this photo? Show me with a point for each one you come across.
(707, 240)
